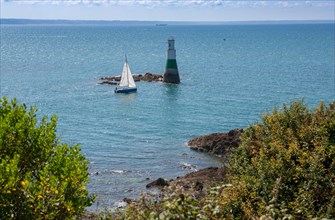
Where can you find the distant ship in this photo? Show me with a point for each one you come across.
(161, 24)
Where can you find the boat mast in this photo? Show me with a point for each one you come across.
(127, 69)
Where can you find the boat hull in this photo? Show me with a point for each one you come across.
(125, 90)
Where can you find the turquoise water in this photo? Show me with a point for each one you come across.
(230, 75)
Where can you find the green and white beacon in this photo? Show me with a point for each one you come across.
(171, 74)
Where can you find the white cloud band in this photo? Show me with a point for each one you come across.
(183, 3)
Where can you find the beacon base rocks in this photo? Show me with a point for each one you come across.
(147, 77)
(171, 73)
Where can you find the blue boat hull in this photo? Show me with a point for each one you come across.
(125, 90)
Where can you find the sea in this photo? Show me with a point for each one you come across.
(230, 76)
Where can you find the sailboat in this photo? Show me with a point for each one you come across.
(127, 83)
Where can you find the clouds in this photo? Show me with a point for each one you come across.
(169, 10)
(183, 3)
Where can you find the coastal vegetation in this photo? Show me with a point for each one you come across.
(284, 168)
(40, 177)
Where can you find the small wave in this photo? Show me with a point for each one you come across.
(121, 204)
(120, 171)
(186, 144)
(110, 171)
(188, 166)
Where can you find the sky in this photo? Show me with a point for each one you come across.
(169, 10)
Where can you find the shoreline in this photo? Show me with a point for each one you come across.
(198, 182)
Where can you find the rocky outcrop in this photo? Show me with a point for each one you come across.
(150, 77)
(108, 82)
(218, 144)
(197, 182)
(147, 77)
(159, 183)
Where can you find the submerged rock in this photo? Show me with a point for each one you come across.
(218, 144)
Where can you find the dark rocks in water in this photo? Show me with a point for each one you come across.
(147, 77)
(198, 182)
(159, 183)
(150, 77)
(218, 144)
(111, 78)
(107, 82)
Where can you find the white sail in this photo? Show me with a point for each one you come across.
(126, 77)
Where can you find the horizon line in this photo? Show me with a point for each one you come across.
(32, 21)
(188, 21)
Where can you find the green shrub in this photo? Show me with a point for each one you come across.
(170, 204)
(40, 177)
(283, 169)
(285, 166)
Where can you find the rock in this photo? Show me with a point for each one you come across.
(184, 155)
(111, 78)
(127, 200)
(160, 183)
(219, 144)
(147, 77)
(107, 82)
(198, 186)
(198, 182)
(150, 77)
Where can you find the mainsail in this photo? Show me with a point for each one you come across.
(126, 77)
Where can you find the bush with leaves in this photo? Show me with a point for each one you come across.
(283, 169)
(285, 166)
(40, 177)
(172, 203)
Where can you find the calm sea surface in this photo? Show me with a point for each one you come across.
(230, 75)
